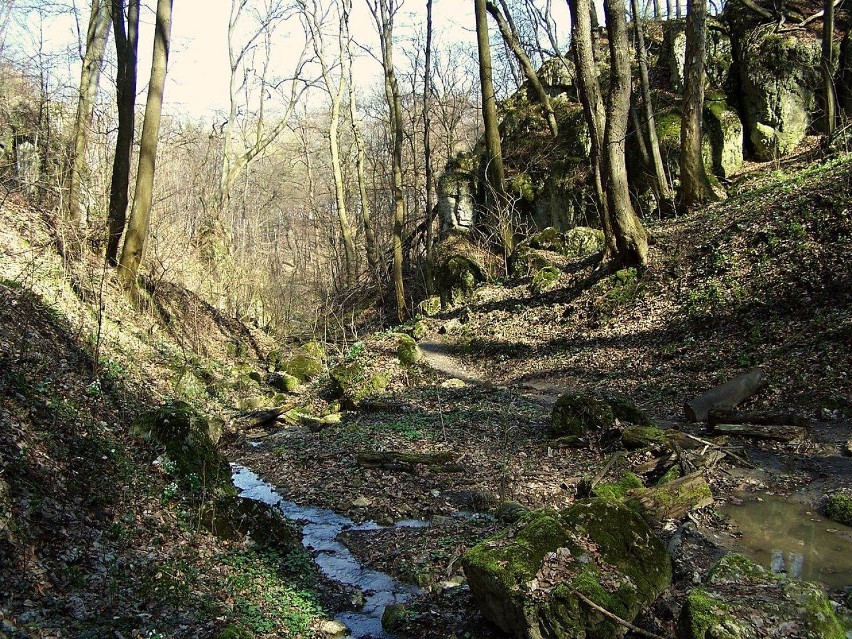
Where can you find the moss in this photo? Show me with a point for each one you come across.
(549, 239)
(303, 367)
(353, 382)
(576, 413)
(526, 261)
(315, 350)
(838, 507)
(545, 279)
(636, 437)
(619, 490)
(670, 475)
(284, 382)
(701, 613)
(407, 349)
(626, 411)
(233, 632)
(419, 330)
(394, 617)
(430, 306)
(522, 186)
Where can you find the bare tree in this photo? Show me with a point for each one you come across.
(828, 66)
(593, 108)
(510, 37)
(96, 37)
(127, 48)
(384, 12)
(659, 183)
(427, 144)
(695, 186)
(631, 240)
(140, 215)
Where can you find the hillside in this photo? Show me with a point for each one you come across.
(99, 538)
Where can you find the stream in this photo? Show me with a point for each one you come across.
(320, 529)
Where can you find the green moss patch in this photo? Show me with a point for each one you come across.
(838, 507)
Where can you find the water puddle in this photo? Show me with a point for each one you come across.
(788, 536)
(320, 529)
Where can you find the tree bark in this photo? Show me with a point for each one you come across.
(695, 186)
(127, 49)
(383, 13)
(593, 108)
(510, 37)
(828, 67)
(427, 148)
(631, 240)
(725, 396)
(659, 183)
(140, 215)
(370, 244)
(96, 37)
(496, 192)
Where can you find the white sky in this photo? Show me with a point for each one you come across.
(198, 65)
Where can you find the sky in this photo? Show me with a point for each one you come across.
(197, 83)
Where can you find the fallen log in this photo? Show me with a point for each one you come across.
(723, 416)
(408, 462)
(725, 396)
(676, 498)
(761, 431)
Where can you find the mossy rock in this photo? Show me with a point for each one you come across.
(234, 632)
(283, 382)
(353, 382)
(407, 349)
(459, 266)
(742, 600)
(186, 437)
(549, 239)
(620, 490)
(430, 306)
(233, 518)
(394, 617)
(578, 412)
(636, 437)
(418, 330)
(586, 546)
(526, 261)
(510, 511)
(303, 367)
(838, 507)
(545, 280)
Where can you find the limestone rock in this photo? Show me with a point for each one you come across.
(407, 349)
(456, 204)
(545, 280)
(742, 600)
(577, 413)
(558, 76)
(333, 630)
(780, 74)
(723, 131)
(460, 266)
(394, 617)
(284, 382)
(524, 579)
(354, 381)
(673, 56)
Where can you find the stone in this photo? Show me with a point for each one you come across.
(233, 632)
(723, 130)
(430, 306)
(510, 511)
(407, 349)
(230, 517)
(524, 579)
(838, 507)
(673, 56)
(185, 435)
(394, 617)
(636, 437)
(742, 600)
(779, 78)
(456, 205)
(333, 629)
(459, 266)
(353, 381)
(283, 382)
(847, 448)
(453, 382)
(545, 280)
(558, 76)
(577, 413)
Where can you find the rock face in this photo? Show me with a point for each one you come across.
(742, 600)
(305, 363)
(460, 266)
(719, 54)
(525, 580)
(189, 447)
(456, 204)
(723, 134)
(779, 77)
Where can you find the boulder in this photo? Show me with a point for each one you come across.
(742, 600)
(189, 446)
(353, 381)
(723, 132)
(558, 76)
(545, 280)
(673, 55)
(459, 267)
(283, 382)
(838, 507)
(304, 363)
(456, 204)
(577, 413)
(525, 579)
(637, 437)
(780, 74)
(407, 349)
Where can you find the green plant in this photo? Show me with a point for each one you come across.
(354, 352)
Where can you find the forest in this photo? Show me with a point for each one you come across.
(419, 318)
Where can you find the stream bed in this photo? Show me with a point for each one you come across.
(320, 529)
(789, 536)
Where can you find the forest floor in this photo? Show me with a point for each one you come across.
(96, 541)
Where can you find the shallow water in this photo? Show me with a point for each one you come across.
(788, 536)
(320, 529)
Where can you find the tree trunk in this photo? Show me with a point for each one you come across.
(510, 37)
(593, 107)
(427, 148)
(725, 396)
(96, 37)
(828, 67)
(137, 227)
(631, 240)
(126, 48)
(370, 243)
(695, 186)
(494, 182)
(659, 183)
(383, 12)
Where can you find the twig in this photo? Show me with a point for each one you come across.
(586, 488)
(741, 460)
(615, 618)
